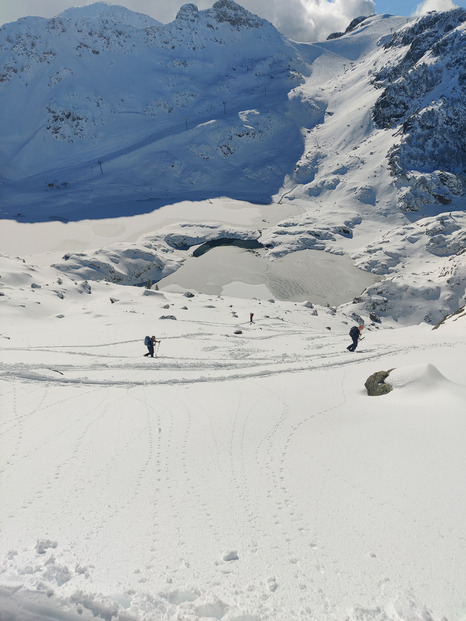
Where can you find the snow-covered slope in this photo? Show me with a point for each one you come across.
(112, 111)
(424, 284)
(243, 474)
(359, 138)
(423, 98)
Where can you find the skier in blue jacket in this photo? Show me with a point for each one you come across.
(150, 342)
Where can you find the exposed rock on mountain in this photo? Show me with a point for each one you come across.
(424, 96)
(353, 24)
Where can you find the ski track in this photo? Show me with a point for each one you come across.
(221, 370)
(156, 430)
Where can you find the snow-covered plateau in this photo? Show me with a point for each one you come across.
(246, 199)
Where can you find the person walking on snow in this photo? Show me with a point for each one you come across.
(355, 334)
(251, 317)
(150, 342)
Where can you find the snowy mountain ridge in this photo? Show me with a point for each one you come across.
(105, 13)
(357, 140)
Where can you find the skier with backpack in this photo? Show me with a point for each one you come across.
(355, 334)
(150, 342)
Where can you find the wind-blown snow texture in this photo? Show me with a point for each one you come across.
(243, 474)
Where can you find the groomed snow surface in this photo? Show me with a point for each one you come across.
(236, 476)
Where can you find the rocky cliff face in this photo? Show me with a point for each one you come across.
(424, 94)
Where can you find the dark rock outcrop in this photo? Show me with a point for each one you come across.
(375, 384)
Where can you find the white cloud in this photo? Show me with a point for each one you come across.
(302, 20)
(310, 20)
(435, 5)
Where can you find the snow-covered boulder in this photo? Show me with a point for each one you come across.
(125, 264)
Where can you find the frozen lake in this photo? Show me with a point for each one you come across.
(320, 277)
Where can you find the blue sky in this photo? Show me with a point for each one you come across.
(404, 7)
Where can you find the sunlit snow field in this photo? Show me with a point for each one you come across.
(242, 474)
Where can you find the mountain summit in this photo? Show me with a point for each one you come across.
(103, 10)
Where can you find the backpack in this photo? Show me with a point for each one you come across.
(147, 341)
(354, 332)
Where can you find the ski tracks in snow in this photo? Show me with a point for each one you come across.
(214, 457)
(168, 370)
